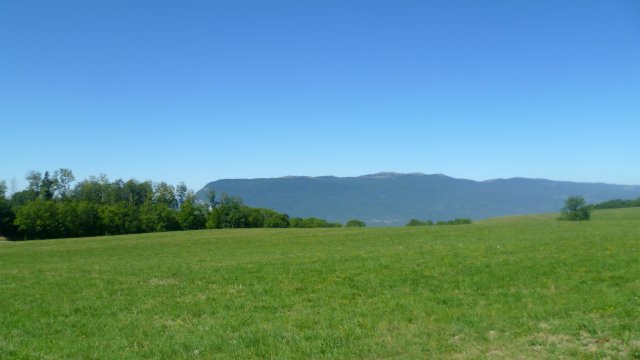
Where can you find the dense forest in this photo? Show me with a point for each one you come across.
(54, 206)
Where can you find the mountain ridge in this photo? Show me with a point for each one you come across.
(391, 198)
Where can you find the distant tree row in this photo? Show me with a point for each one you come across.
(616, 204)
(459, 221)
(576, 208)
(311, 222)
(53, 207)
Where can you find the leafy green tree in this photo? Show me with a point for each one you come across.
(38, 220)
(575, 209)
(355, 223)
(158, 217)
(228, 215)
(191, 215)
(88, 219)
(250, 217)
(22, 197)
(136, 193)
(120, 218)
(164, 194)
(274, 219)
(62, 182)
(46, 187)
(34, 178)
(50, 208)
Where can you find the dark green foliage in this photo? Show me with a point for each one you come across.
(232, 214)
(75, 219)
(51, 208)
(416, 222)
(3, 189)
(158, 217)
(274, 219)
(355, 223)
(136, 193)
(6, 214)
(87, 220)
(22, 197)
(192, 216)
(164, 194)
(458, 221)
(575, 209)
(616, 204)
(7, 217)
(46, 187)
(120, 218)
(227, 216)
(312, 222)
(39, 220)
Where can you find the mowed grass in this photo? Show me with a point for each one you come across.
(517, 287)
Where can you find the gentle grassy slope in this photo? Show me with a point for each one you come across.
(525, 287)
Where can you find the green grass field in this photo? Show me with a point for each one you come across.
(506, 288)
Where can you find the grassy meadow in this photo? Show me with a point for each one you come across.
(506, 288)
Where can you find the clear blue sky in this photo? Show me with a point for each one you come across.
(201, 90)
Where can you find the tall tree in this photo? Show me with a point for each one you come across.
(46, 187)
(211, 198)
(165, 195)
(181, 193)
(62, 182)
(34, 179)
(192, 216)
(3, 189)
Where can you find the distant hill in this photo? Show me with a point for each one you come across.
(393, 199)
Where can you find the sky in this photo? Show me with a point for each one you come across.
(196, 91)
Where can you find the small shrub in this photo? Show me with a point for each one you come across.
(575, 209)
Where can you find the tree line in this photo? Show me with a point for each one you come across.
(458, 221)
(576, 208)
(616, 204)
(54, 206)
